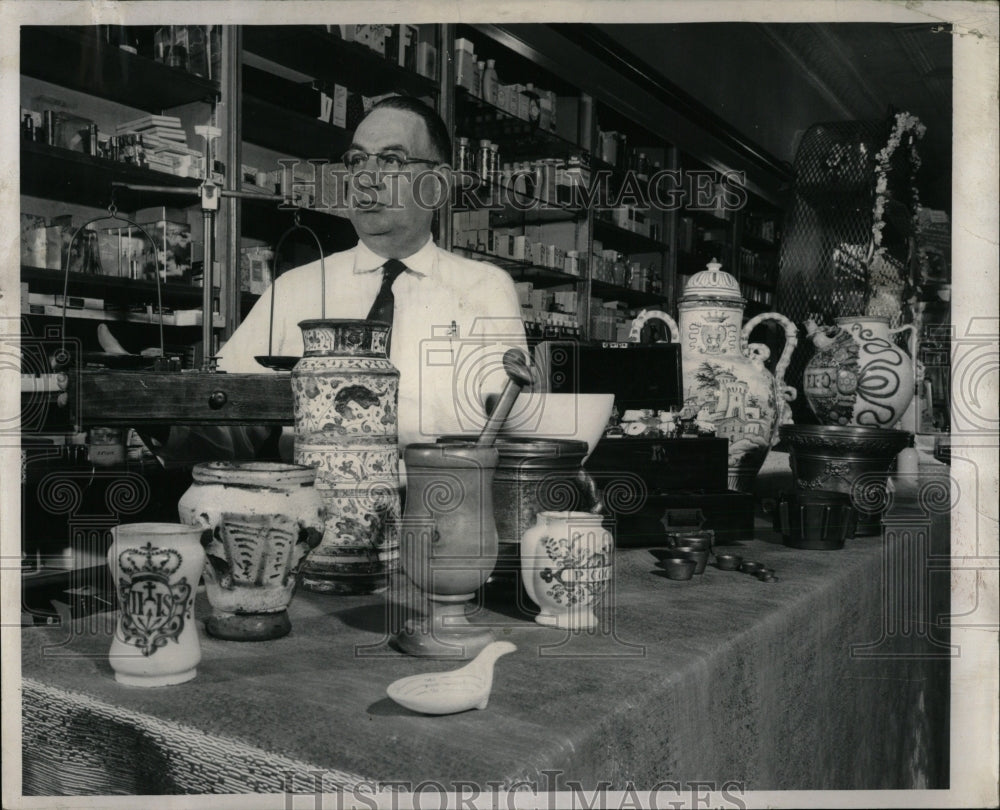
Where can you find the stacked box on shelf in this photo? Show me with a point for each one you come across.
(171, 253)
(255, 269)
(121, 251)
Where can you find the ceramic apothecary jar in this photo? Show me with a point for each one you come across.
(566, 560)
(155, 568)
(261, 519)
(345, 393)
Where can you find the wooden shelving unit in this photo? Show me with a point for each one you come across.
(75, 57)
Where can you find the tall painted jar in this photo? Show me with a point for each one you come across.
(858, 375)
(345, 394)
(262, 520)
(724, 378)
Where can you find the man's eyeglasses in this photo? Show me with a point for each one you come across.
(355, 160)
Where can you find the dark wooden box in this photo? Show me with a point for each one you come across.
(664, 465)
(729, 514)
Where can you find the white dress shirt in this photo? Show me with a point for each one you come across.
(453, 319)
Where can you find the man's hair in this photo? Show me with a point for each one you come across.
(436, 130)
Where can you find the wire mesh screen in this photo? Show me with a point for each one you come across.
(828, 262)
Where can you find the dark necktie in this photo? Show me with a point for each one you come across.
(382, 308)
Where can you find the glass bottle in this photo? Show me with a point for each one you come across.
(462, 162)
(490, 82)
(483, 161)
(480, 70)
(494, 167)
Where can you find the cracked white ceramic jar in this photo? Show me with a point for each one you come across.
(261, 519)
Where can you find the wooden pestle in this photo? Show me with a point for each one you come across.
(518, 376)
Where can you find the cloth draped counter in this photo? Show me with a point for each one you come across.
(834, 677)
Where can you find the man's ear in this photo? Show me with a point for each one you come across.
(432, 188)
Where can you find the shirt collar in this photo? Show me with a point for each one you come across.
(421, 263)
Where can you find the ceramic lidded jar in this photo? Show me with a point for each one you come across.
(155, 568)
(858, 375)
(566, 560)
(724, 378)
(345, 393)
(262, 519)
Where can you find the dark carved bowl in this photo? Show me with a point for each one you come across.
(853, 460)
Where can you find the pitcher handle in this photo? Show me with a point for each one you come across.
(649, 315)
(791, 340)
(911, 341)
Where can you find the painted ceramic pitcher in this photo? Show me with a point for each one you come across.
(858, 375)
(724, 378)
(345, 392)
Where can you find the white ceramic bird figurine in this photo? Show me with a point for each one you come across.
(449, 692)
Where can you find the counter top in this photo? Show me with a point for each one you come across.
(723, 678)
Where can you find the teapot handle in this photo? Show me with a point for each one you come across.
(791, 340)
(651, 315)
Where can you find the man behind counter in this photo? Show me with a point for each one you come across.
(452, 318)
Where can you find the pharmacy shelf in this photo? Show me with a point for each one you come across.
(264, 220)
(510, 208)
(74, 57)
(628, 296)
(523, 271)
(181, 318)
(310, 49)
(618, 238)
(73, 177)
(293, 133)
(111, 288)
(479, 120)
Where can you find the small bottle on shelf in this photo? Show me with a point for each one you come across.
(483, 161)
(489, 84)
(461, 154)
(478, 81)
(494, 164)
